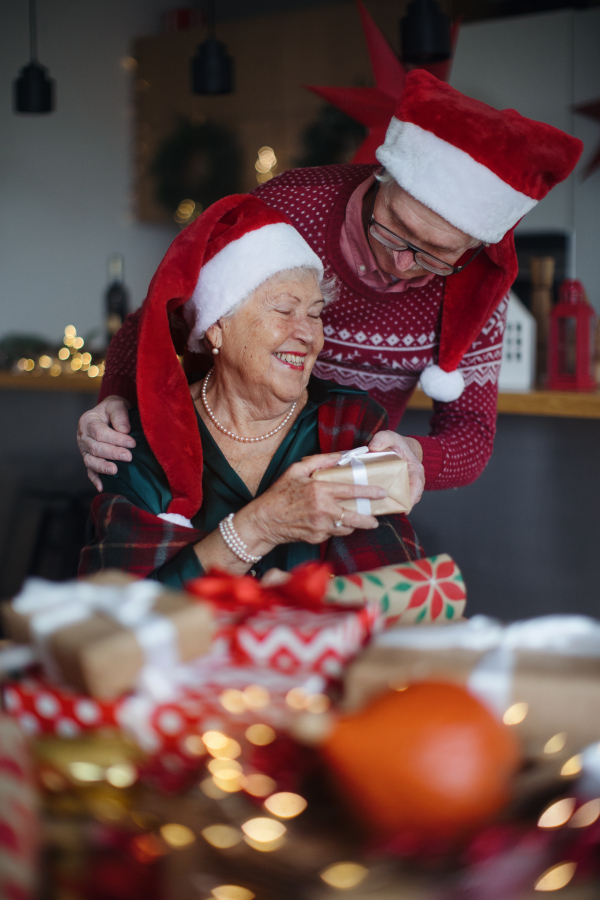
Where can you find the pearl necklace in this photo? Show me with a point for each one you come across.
(230, 434)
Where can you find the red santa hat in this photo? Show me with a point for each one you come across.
(214, 264)
(481, 169)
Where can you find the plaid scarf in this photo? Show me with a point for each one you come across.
(137, 541)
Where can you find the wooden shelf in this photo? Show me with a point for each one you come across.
(566, 404)
(78, 382)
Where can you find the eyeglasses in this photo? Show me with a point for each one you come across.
(425, 260)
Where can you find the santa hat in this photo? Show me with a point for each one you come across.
(481, 169)
(216, 262)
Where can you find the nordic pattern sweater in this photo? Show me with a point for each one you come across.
(377, 341)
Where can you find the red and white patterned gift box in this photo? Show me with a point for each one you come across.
(43, 708)
(293, 640)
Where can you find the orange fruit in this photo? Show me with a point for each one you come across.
(431, 759)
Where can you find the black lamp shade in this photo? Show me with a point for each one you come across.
(425, 35)
(33, 90)
(212, 68)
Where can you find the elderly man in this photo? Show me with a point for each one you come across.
(424, 256)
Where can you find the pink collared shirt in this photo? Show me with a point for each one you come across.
(358, 254)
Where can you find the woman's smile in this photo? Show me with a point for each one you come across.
(291, 360)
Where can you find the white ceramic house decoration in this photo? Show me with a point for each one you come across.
(517, 372)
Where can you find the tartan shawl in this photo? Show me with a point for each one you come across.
(139, 542)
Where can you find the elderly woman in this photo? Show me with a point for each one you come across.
(220, 475)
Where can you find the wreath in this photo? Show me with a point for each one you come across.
(199, 162)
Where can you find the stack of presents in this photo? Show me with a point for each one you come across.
(324, 734)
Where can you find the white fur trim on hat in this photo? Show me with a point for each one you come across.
(176, 519)
(442, 386)
(239, 268)
(451, 183)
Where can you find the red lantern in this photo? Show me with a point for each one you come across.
(571, 340)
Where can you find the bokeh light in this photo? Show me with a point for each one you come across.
(256, 697)
(232, 892)
(221, 836)
(285, 805)
(557, 814)
(557, 877)
(177, 835)
(515, 713)
(264, 830)
(556, 743)
(260, 735)
(259, 785)
(344, 875)
(586, 814)
(572, 766)
(233, 701)
(121, 775)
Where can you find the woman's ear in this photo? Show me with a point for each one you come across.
(214, 335)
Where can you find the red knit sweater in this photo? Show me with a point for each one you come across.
(379, 342)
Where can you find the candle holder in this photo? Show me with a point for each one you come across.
(571, 340)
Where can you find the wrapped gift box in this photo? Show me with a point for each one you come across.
(98, 636)
(426, 590)
(384, 470)
(544, 674)
(291, 640)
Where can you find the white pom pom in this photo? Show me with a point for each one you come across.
(442, 386)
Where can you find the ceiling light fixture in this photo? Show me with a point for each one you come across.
(425, 34)
(33, 90)
(212, 67)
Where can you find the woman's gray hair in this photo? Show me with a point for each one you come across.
(329, 287)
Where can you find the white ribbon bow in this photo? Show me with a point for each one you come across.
(359, 472)
(492, 677)
(53, 606)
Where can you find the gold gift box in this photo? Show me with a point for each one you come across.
(101, 657)
(384, 470)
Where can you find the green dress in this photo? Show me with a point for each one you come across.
(143, 482)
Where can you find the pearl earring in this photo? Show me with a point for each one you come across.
(215, 350)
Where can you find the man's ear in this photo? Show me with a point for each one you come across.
(214, 335)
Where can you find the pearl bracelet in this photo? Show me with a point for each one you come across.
(234, 541)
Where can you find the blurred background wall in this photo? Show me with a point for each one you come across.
(66, 179)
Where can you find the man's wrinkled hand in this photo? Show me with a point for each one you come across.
(408, 449)
(103, 434)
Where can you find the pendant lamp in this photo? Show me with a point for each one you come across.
(212, 67)
(425, 34)
(33, 90)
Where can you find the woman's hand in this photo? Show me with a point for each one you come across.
(298, 508)
(103, 434)
(408, 449)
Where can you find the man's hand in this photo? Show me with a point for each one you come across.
(408, 449)
(103, 434)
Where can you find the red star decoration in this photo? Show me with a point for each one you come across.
(592, 111)
(374, 107)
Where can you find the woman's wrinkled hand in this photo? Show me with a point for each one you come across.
(299, 508)
(103, 434)
(408, 449)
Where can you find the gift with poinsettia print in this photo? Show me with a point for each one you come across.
(425, 590)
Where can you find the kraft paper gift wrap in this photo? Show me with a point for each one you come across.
(426, 590)
(99, 636)
(542, 674)
(384, 470)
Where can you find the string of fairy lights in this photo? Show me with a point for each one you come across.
(70, 359)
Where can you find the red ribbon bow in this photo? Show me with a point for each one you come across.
(305, 589)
